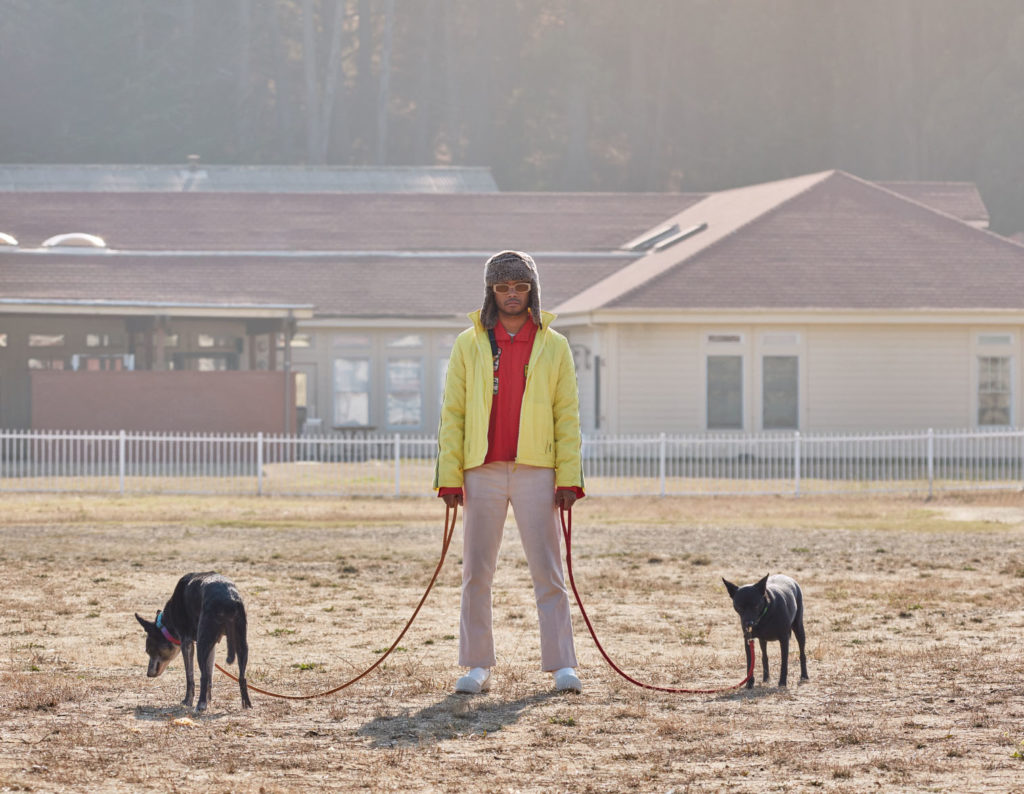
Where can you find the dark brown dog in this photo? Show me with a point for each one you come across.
(203, 608)
(770, 610)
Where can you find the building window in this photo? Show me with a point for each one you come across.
(994, 390)
(46, 340)
(406, 340)
(405, 392)
(46, 363)
(725, 392)
(780, 392)
(99, 340)
(102, 363)
(352, 392)
(350, 339)
(298, 340)
(211, 340)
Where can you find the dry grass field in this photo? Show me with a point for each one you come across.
(914, 615)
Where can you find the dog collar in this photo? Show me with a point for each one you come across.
(764, 611)
(163, 629)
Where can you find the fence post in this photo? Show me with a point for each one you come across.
(259, 463)
(398, 459)
(122, 446)
(662, 455)
(796, 462)
(931, 461)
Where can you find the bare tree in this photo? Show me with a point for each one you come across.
(320, 92)
(384, 91)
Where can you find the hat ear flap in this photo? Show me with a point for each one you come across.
(535, 301)
(489, 313)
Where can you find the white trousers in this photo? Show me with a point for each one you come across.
(489, 489)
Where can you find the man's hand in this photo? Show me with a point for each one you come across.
(452, 499)
(564, 498)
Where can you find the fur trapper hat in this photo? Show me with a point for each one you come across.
(509, 266)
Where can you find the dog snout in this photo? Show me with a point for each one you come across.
(156, 666)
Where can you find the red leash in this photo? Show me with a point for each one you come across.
(567, 534)
(446, 541)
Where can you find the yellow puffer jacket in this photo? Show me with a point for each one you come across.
(549, 422)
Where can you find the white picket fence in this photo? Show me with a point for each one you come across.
(124, 462)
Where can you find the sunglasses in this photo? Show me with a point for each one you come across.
(521, 286)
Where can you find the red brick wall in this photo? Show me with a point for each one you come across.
(207, 402)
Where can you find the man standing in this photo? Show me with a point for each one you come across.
(510, 434)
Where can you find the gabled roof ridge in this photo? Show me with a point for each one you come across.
(960, 222)
(651, 265)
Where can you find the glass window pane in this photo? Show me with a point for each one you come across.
(351, 374)
(781, 390)
(352, 391)
(404, 410)
(406, 340)
(404, 374)
(725, 392)
(994, 391)
(46, 340)
(352, 408)
(405, 392)
(298, 340)
(348, 339)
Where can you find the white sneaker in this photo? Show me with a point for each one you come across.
(566, 680)
(474, 682)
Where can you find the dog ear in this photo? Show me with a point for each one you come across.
(730, 586)
(143, 622)
(762, 586)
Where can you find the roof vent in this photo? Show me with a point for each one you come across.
(6, 239)
(647, 243)
(75, 240)
(668, 242)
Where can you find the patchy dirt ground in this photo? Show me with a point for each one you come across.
(915, 622)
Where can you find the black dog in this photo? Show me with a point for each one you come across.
(203, 608)
(770, 610)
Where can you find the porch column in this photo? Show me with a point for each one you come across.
(289, 330)
(160, 344)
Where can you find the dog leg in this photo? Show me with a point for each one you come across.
(205, 651)
(798, 630)
(784, 662)
(746, 650)
(187, 655)
(764, 658)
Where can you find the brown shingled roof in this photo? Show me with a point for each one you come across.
(841, 243)
(340, 222)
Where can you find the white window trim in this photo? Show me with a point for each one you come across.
(711, 347)
(983, 345)
(770, 343)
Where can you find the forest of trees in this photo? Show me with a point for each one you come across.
(550, 94)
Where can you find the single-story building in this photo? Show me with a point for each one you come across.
(822, 302)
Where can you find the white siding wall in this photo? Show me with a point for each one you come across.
(888, 378)
(586, 349)
(659, 383)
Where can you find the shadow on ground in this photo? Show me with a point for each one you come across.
(456, 715)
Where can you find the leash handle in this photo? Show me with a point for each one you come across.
(567, 535)
(449, 531)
